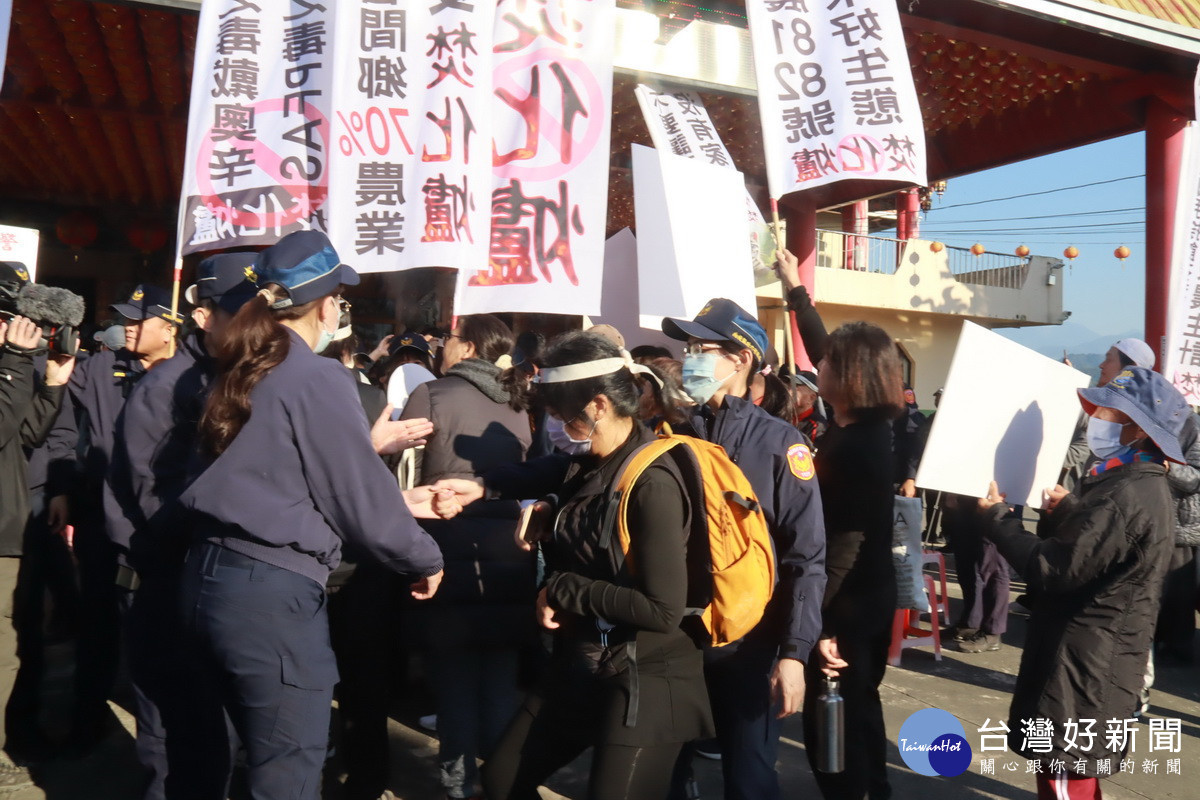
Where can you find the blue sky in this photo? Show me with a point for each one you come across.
(1104, 295)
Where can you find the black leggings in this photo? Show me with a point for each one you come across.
(533, 749)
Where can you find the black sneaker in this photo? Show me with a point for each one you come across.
(980, 643)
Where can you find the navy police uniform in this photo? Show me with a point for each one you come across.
(777, 460)
(269, 517)
(154, 452)
(80, 452)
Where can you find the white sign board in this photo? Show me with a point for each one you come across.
(1180, 358)
(691, 242)
(679, 123)
(619, 297)
(20, 244)
(1008, 415)
(835, 93)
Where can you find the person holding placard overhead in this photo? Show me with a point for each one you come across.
(755, 682)
(1097, 572)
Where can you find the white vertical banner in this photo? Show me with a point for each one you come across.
(835, 93)
(680, 124)
(21, 245)
(410, 165)
(367, 120)
(552, 107)
(257, 159)
(1181, 360)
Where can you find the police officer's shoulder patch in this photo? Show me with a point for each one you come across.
(800, 462)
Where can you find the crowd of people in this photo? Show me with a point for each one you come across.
(260, 516)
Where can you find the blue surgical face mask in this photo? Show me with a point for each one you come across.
(564, 442)
(325, 339)
(699, 376)
(1104, 437)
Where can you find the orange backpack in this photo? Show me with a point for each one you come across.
(731, 560)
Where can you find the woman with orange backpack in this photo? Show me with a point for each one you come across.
(624, 677)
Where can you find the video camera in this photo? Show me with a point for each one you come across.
(57, 311)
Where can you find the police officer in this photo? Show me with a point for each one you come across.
(291, 476)
(153, 448)
(755, 682)
(87, 424)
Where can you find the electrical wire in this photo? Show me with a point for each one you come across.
(927, 221)
(1047, 191)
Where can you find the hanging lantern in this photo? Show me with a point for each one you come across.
(77, 229)
(937, 247)
(978, 249)
(146, 235)
(1071, 253)
(1121, 253)
(1022, 251)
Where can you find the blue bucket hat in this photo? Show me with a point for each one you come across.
(1149, 400)
(145, 302)
(721, 320)
(305, 264)
(227, 279)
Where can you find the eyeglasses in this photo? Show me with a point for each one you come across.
(343, 304)
(700, 348)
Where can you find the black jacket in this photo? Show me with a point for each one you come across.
(27, 410)
(488, 592)
(1096, 578)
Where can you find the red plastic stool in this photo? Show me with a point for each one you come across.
(934, 557)
(905, 632)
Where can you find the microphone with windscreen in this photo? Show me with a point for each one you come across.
(57, 311)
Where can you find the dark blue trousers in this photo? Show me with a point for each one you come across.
(983, 576)
(177, 717)
(738, 678)
(261, 634)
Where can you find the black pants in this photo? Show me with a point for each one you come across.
(533, 749)
(983, 576)
(1177, 615)
(866, 746)
(363, 629)
(98, 648)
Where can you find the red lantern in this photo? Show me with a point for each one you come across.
(1022, 251)
(1071, 253)
(937, 247)
(77, 229)
(146, 235)
(1121, 252)
(978, 249)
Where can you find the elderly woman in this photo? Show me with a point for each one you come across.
(1098, 571)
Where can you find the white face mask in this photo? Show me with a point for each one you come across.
(1104, 437)
(563, 441)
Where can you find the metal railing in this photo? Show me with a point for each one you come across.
(880, 254)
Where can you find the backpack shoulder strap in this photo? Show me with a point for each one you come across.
(618, 502)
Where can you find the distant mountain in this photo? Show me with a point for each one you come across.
(1052, 340)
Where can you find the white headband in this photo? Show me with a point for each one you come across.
(593, 369)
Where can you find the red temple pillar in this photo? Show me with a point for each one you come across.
(1164, 153)
(854, 225)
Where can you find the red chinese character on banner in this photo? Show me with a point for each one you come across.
(519, 233)
(446, 207)
(531, 22)
(530, 109)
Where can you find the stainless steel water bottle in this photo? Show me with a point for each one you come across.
(831, 749)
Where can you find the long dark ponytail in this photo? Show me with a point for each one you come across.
(252, 345)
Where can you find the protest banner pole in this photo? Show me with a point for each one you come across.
(789, 346)
(175, 301)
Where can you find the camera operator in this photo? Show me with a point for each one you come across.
(28, 407)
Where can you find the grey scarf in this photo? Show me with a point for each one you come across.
(484, 376)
